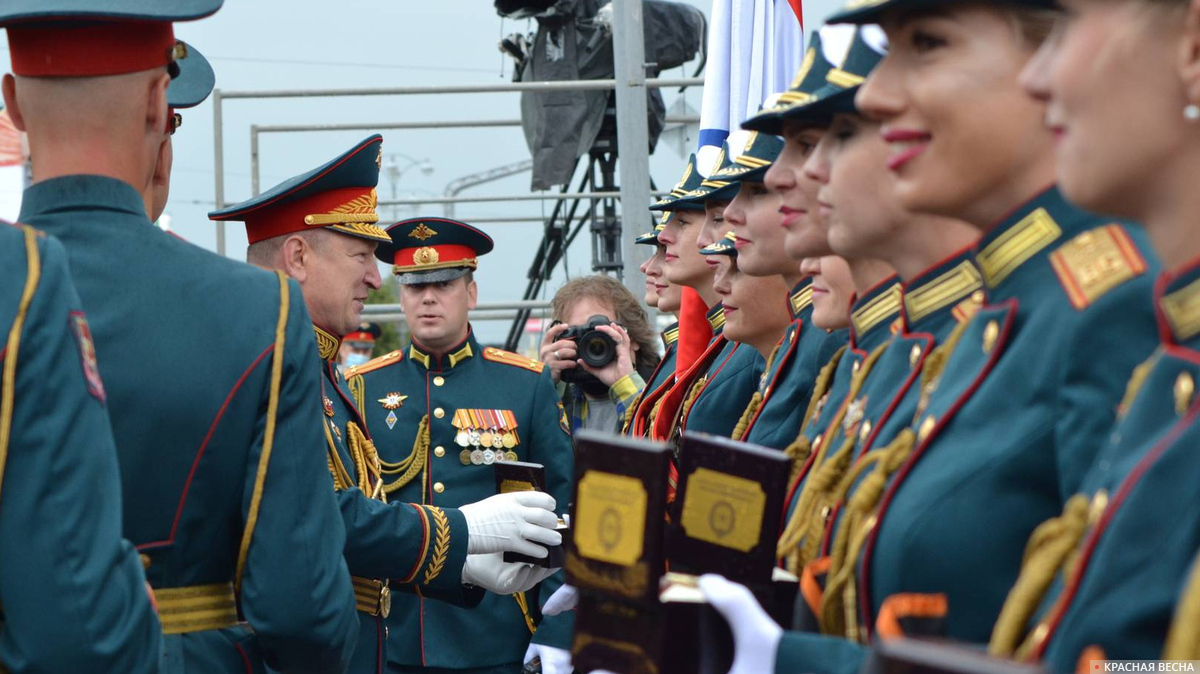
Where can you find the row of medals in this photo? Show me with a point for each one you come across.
(489, 447)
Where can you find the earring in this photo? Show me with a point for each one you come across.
(1191, 112)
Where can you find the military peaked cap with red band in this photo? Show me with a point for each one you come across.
(431, 250)
(339, 195)
(92, 38)
(366, 332)
(195, 81)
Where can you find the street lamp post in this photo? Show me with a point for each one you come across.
(394, 170)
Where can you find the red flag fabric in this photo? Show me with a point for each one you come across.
(694, 330)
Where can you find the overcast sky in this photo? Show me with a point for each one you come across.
(314, 44)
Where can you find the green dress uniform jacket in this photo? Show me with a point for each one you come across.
(226, 502)
(389, 546)
(423, 412)
(933, 304)
(786, 386)
(1015, 405)
(638, 419)
(72, 589)
(1135, 526)
(872, 319)
(717, 404)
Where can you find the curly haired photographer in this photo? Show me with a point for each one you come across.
(597, 320)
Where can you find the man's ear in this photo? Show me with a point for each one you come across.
(11, 103)
(156, 104)
(295, 256)
(472, 295)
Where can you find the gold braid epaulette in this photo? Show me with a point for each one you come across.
(839, 607)
(411, 466)
(441, 544)
(516, 360)
(1049, 548)
(756, 400)
(826, 486)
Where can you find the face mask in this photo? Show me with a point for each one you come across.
(353, 359)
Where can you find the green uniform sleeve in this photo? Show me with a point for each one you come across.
(552, 448)
(73, 592)
(808, 653)
(296, 591)
(417, 547)
(1114, 335)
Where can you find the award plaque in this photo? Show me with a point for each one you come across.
(728, 510)
(618, 516)
(616, 554)
(918, 656)
(514, 476)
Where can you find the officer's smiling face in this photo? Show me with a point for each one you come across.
(805, 236)
(754, 216)
(966, 141)
(1110, 79)
(684, 264)
(436, 313)
(756, 311)
(336, 286)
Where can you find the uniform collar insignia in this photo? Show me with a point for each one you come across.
(942, 287)
(1031, 229)
(328, 344)
(452, 359)
(716, 318)
(1179, 302)
(878, 307)
(671, 335)
(801, 297)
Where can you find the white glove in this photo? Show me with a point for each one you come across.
(521, 522)
(755, 635)
(492, 573)
(565, 598)
(554, 660)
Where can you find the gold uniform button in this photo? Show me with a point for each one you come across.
(1185, 387)
(864, 431)
(926, 429)
(439, 487)
(978, 296)
(857, 365)
(439, 413)
(990, 334)
(439, 452)
(438, 381)
(914, 355)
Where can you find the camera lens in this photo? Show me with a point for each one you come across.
(597, 349)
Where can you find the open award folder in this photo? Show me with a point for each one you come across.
(640, 610)
(514, 476)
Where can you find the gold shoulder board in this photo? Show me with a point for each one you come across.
(509, 358)
(1095, 262)
(374, 364)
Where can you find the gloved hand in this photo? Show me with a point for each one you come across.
(521, 522)
(565, 598)
(554, 660)
(755, 635)
(492, 573)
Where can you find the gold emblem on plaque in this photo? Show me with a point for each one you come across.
(723, 509)
(610, 518)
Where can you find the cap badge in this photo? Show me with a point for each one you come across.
(425, 255)
(422, 232)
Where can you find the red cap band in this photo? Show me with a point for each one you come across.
(443, 255)
(110, 48)
(270, 221)
(359, 337)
